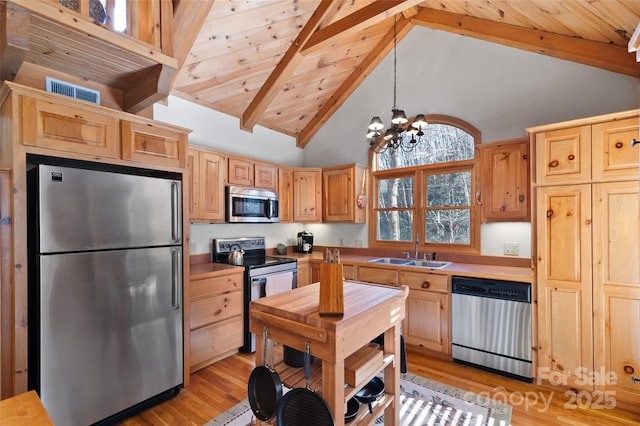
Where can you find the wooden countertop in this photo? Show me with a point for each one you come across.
(208, 270)
(24, 409)
(498, 272)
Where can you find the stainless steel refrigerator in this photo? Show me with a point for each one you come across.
(105, 291)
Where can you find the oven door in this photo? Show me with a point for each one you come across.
(251, 205)
(256, 285)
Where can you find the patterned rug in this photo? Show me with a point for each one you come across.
(422, 402)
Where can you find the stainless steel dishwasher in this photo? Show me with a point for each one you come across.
(491, 325)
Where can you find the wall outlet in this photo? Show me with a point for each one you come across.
(511, 249)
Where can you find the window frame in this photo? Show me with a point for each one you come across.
(419, 175)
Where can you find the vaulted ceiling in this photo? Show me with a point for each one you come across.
(288, 65)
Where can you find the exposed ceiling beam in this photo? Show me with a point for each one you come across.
(188, 18)
(368, 16)
(384, 46)
(285, 68)
(601, 55)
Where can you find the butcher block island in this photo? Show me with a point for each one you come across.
(292, 319)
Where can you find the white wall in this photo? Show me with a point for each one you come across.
(500, 90)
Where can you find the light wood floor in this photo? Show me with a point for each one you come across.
(220, 386)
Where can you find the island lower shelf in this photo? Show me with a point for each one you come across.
(293, 377)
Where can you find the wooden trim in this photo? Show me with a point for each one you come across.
(601, 55)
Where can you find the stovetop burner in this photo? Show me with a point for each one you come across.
(254, 252)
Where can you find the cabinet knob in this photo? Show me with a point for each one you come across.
(619, 145)
(549, 214)
(629, 369)
(426, 284)
(554, 163)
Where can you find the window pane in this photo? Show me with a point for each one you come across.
(395, 193)
(441, 143)
(448, 226)
(449, 189)
(395, 225)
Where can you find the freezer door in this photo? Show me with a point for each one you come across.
(92, 210)
(111, 331)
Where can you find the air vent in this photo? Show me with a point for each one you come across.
(73, 90)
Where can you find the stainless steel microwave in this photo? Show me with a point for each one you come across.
(251, 205)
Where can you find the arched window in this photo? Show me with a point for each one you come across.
(425, 195)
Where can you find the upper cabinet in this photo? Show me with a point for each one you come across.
(307, 195)
(245, 172)
(207, 171)
(587, 151)
(285, 194)
(81, 42)
(505, 194)
(341, 186)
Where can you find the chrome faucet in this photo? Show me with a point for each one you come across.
(415, 256)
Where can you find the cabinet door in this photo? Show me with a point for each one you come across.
(616, 285)
(505, 181)
(192, 175)
(307, 195)
(212, 181)
(240, 172)
(564, 282)
(151, 143)
(374, 275)
(613, 154)
(266, 176)
(285, 194)
(71, 129)
(426, 322)
(563, 156)
(338, 203)
(304, 274)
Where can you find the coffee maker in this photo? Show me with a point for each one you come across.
(305, 242)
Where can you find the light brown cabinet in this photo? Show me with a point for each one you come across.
(153, 143)
(504, 173)
(304, 274)
(588, 250)
(371, 274)
(67, 128)
(216, 317)
(341, 186)
(285, 194)
(428, 310)
(207, 171)
(245, 172)
(307, 195)
(599, 151)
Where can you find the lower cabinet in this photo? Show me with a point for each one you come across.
(426, 323)
(304, 273)
(216, 314)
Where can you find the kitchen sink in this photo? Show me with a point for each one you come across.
(436, 264)
(390, 261)
(428, 263)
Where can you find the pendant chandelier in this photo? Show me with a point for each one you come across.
(397, 136)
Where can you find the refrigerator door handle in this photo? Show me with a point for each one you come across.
(175, 212)
(176, 279)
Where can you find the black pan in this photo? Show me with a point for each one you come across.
(353, 406)
(370, 392)
(302, 406)
(265, 386)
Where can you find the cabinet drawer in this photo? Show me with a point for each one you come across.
(216, 308)
(378, 275)
(215, 285)
(150, 143)
(70, 129)
(214, 340)
(349, 272)
(425, 281)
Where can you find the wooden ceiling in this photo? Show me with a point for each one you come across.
(288, 65)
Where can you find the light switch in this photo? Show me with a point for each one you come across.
(511, 249)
